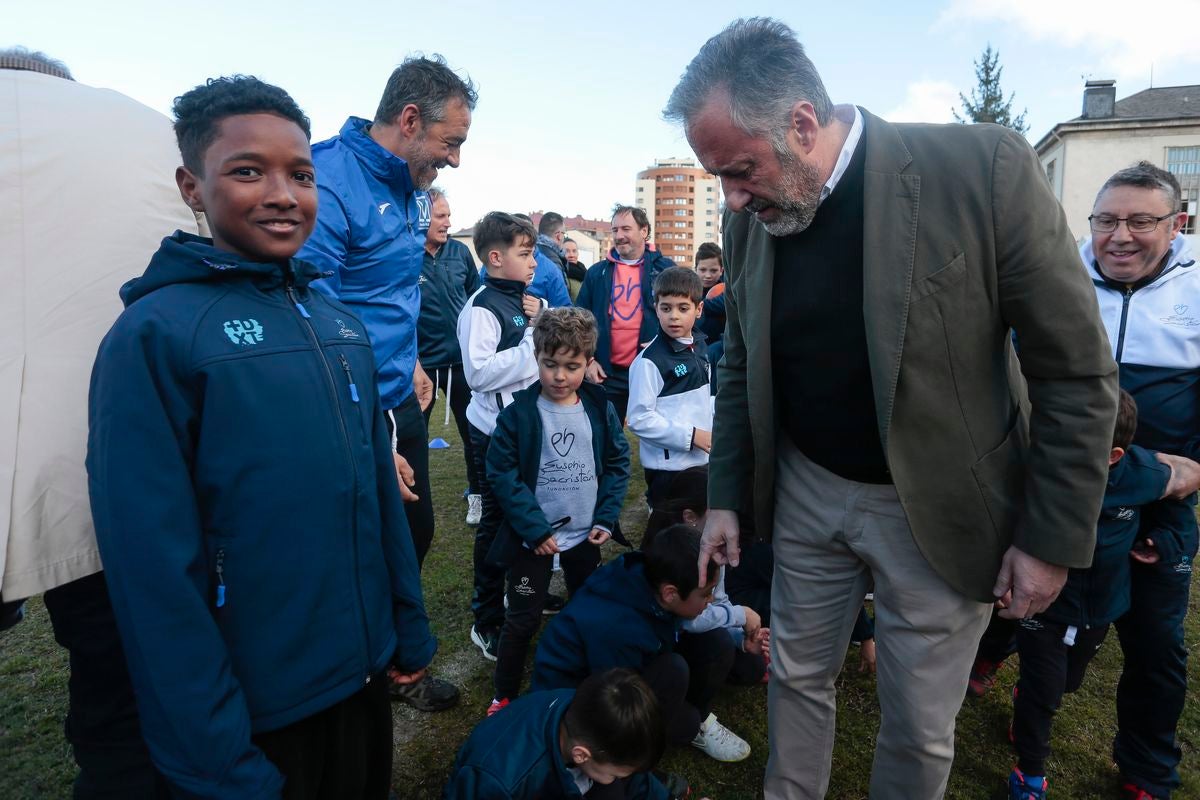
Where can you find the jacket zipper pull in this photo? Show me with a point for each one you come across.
(349, 377)
(220, 577)
(291, 293)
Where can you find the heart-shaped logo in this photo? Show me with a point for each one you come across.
(562, 442)
(1181, 310)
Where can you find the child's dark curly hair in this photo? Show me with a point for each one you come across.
(199, 112)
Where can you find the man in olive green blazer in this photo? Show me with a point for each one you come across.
(984, 475)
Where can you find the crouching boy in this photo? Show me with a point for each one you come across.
(598, 741)
(262, 573)
(629, 614)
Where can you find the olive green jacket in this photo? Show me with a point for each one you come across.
(963, 243)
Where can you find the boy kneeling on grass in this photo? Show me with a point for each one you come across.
(255, 545)
(598, 741)
(629, 614)
(559, 458)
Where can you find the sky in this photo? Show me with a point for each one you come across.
(571, 94)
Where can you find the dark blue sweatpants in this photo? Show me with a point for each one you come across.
(1153, 684)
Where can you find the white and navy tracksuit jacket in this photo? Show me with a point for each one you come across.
(669, 397)
(1154, 330)
(497, 349)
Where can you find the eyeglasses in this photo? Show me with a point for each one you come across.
(1138, 223)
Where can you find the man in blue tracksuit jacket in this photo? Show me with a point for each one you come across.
(1147, 284)
(225, 395)
(370, 239)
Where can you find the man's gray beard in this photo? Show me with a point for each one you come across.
(799, 193)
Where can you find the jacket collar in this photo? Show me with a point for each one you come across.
(890, 211)
(650, 255)
(376, 159)
(698, 340)
(507, 286)
(1178, 258)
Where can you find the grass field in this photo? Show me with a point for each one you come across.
(35, 762)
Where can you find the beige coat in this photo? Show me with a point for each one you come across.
(87, 190)
(963, 242)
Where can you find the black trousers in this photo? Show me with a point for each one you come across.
(616, 387)
(999, 640)
(1153, 685)
(528, 585)
(1049, 669)
(341, 753)
(487, 597)
(749, 583)
(458, 396)
(686, 681)
(407, 424)
(102, 722)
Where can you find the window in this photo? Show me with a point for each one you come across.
(1050, 168)
(679, 224)
(1190, 205)
(1183, 161)
(641, 189)
(682, 212)
(1184, 164)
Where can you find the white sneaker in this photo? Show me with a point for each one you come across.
(720, 742)
(474, 509)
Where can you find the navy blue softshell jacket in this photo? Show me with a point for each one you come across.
(1098, 595)
(614, 620)
(247, 510)
(448, 278)
(514, 460)
(516, 755)
(596, 296)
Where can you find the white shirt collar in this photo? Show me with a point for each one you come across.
(843, 161)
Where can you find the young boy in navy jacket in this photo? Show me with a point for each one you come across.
(560, 459)
(1056, 646)
(670, 404)
(629, 614)
(597, 741)
(245, 500)
(495, 333)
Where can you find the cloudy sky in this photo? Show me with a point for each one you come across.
(571, 93)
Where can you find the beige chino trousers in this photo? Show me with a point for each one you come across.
(833, 539)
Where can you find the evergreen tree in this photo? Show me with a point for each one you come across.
(987, 103)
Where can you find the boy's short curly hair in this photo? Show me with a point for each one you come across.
(565, 328)
(678, 282)
(198, 113)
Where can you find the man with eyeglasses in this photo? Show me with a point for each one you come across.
(1148, 286)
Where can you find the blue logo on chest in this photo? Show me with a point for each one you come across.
(680, 370)
(518, 320)
(243, 331)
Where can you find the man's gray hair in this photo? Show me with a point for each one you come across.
(436, 193)
(23, 58)
(427, 83)
(761, 65)
(1144, 175)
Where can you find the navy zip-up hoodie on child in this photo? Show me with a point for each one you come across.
(614, 620)
(517, 756)
(1098, 595)
(514, 465)
(247, 511)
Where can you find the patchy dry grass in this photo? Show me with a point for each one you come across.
(35, 762)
